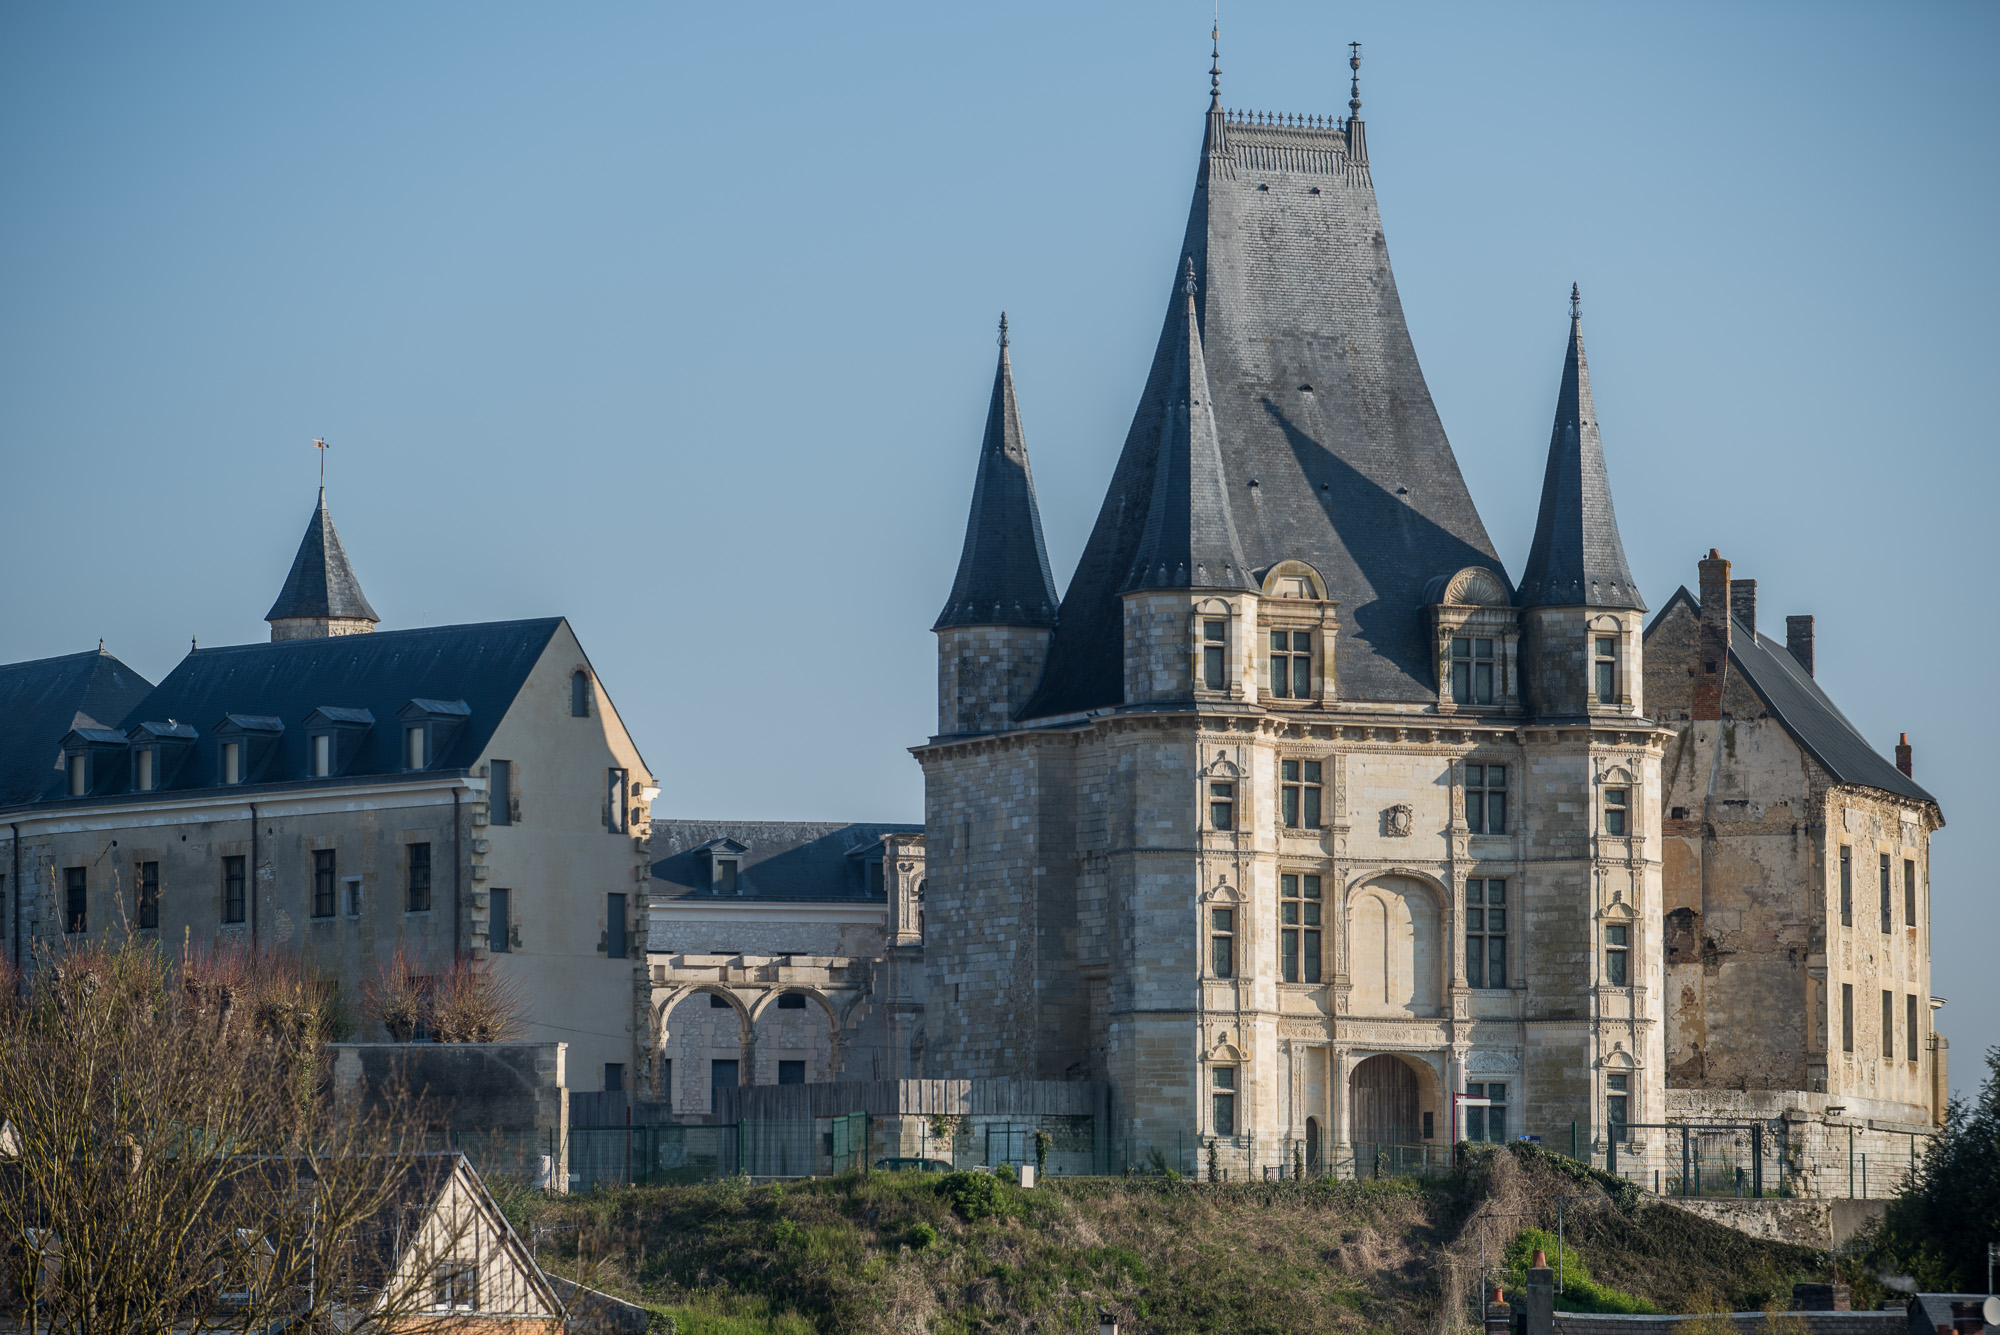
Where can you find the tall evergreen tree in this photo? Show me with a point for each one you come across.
(1937, 1230)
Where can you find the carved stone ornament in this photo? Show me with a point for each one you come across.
(1489, 1060)
(1398, 821)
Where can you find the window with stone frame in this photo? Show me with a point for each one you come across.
(1215, 655)
(1486, 799)
(1472, 670)
(1888, 911)
(1910, 1025)
(76, 891)
(1299, 792)
(1222, 1081)
(1222, 806)
(1607, 669)
(1222, 943)
(1488, 1123)
(1291, 664)
(1909, 892)
(1617, 954)
(1485, 932)
(1299, 903)
(418, 893)
(1846, 886)
(232, 888)
(1888, 1025)
(1617, 811)
(146, 880)
(1617, 1105)
(1847, 1017)
(323, 883)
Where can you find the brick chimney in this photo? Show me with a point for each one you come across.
(1799, 639)
(1743, 601)
(1905, 758)
(1712, 659)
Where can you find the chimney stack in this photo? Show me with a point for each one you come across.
(1713, 658)
(1905, 758)
(1743, 602)
(1799, 639)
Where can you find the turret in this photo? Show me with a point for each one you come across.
(1580, 615)
(993, 635)
(321, 596)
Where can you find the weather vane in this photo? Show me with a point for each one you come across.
(319, 443)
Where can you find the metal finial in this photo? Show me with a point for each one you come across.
(1187, 281)
(1003, 329)
(1215, 60)
(1354, 87)
(1575, 301)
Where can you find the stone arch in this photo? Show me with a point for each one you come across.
(809, 1037)
(1293, 579)
(1474, 586)
(1388, 1095)
(1396, 956)
(693, 1036)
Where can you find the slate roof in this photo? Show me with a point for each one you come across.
(485, 665)
(1317, 397)
(321, 582)
(803, 861)
(43, 700)
(1577, 558)
(1003, 569)
(1807, 712)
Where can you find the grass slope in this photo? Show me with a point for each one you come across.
(893, 1252)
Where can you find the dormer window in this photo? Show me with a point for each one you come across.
(429, 728)
(87, 752)
(232, 762)
(335, 734)
(1471, 670)
(722, 860)
(1291, 664)
(726, 870)
(322, 755)
(246, 741)
(143, 767)
(157, 750)
(413, 748)
(79, 774)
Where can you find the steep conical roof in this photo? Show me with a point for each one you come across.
(1577, 559)
(1189, 541)
(321, 582)
(1003, 569)
(1317, 399)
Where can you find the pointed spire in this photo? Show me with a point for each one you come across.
(321, 596)
(1003, 569)
(1190, 540)
(1577, 559)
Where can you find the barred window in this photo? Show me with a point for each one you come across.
(1299, 793)
(419, 900)
(323, 883)
(149, 894)
(232, 889)
(1298, 927)
(76, 891)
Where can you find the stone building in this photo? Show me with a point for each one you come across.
(1294, 818)
(453, 792)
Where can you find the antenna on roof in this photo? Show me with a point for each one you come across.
(1575, 301)
(1003, 329)
(319, 443)
(1215, 57)
(1354, 87)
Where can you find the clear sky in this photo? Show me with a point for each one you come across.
(678, 321)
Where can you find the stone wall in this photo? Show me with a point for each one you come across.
(985, 675)
(1825, 1224)
(1834, 1145)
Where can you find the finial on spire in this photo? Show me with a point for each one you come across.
(1003, 329)
(319, 443)
(1575, 301)
(1354, 85)
(1187, 282)
(1215, 58)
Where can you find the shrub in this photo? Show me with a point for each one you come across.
(974, 1196)
(1005, 1172)
(922, 1235)
(1581, 1293)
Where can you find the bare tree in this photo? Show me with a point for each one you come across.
(466, 1003)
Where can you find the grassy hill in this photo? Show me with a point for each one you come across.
(898, 1252)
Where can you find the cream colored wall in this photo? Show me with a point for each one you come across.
(464, 1227)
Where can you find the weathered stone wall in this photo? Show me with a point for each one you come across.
(466, 1087)
(1834, 1145)
(985, 675)
(1824, 1224)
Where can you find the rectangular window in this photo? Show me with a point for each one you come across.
(1298, 927)
(232, 889)
(1487, 1124)
(79, 774)
(1299, 793)
(148, 878)
(1910, 1026)
(1615, 810)
(499, 921)
(1909, 893)
(791, 1073)
(1847, 1017)
(1888, 911)
(322, 755)
(667, 1079)
(1471, 671)
(614, 926)
(614, 1077)
(455, 1287)
(1224, 1093)
(1888, 1026)
(142, 769)
(76, 887)
(721, 1075)
(1607, 670)
(725, 876)
(1222, 806)
(419, 899)
(1846, 886)
(413, 747)
(500, 792)
(1214, 654)
(1617, 942)
(352, 905)
(232, 762)
(614, 801)
(1486, 799)
(1222, 942)
(323, 883)
(1485, 933)
(1291, 664)
(1617, 1105)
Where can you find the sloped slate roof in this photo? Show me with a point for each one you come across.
(805, 861)
(43, 700)
(1318, 398)
(321, 582)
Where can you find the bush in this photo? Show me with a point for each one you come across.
(974, 1196)
(1581, 1293)
(921, 1236)
(1005, 1172)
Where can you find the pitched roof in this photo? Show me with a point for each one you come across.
(1003, 569)
(43, 700)
(1796, 700)
(321, 582)
(804, 861)
(1317, 398)
(1189, 541)
(1577, 558)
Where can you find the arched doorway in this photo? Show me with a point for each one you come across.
(1385, 1099)
(1312, 1145)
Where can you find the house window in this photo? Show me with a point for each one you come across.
(614, 801)
(419, 896)
(1617, 942)
(142, 769)
(1847, 1017)
(1222, 805)
(79, 774)
(353, 897)
(1471, 671)
(1910, 1025)
(1617, 1105)
(1888, 923)
(499, 921)
(1214, 656)
(614, 1077)
(1485, 933)
(725, 876)
(1490, 1123)
(323, 882)
(721, 1075)
(232, 762)
(1299, 794)
(455, 1287)
(1292, 664)
(232, 889)
(791, 1072)
(148, 879)
(1615, 807)
(1298, 927)
(579, 694)
(791, 1001)
(322, 762)
(76, 912)
(614, 926)
(413, 747)
(1888, 1026)
(500, 792)
(1222, 942)
(1607, 670)
(1909, 893)
(875, 880)
(1486, 799)
(1223, 1098)
(1846, 886)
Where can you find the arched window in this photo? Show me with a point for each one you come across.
(579, 694)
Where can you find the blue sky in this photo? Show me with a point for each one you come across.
(678, 321)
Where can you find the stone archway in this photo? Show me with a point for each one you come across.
(1386, 1099)
(703, 1044)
